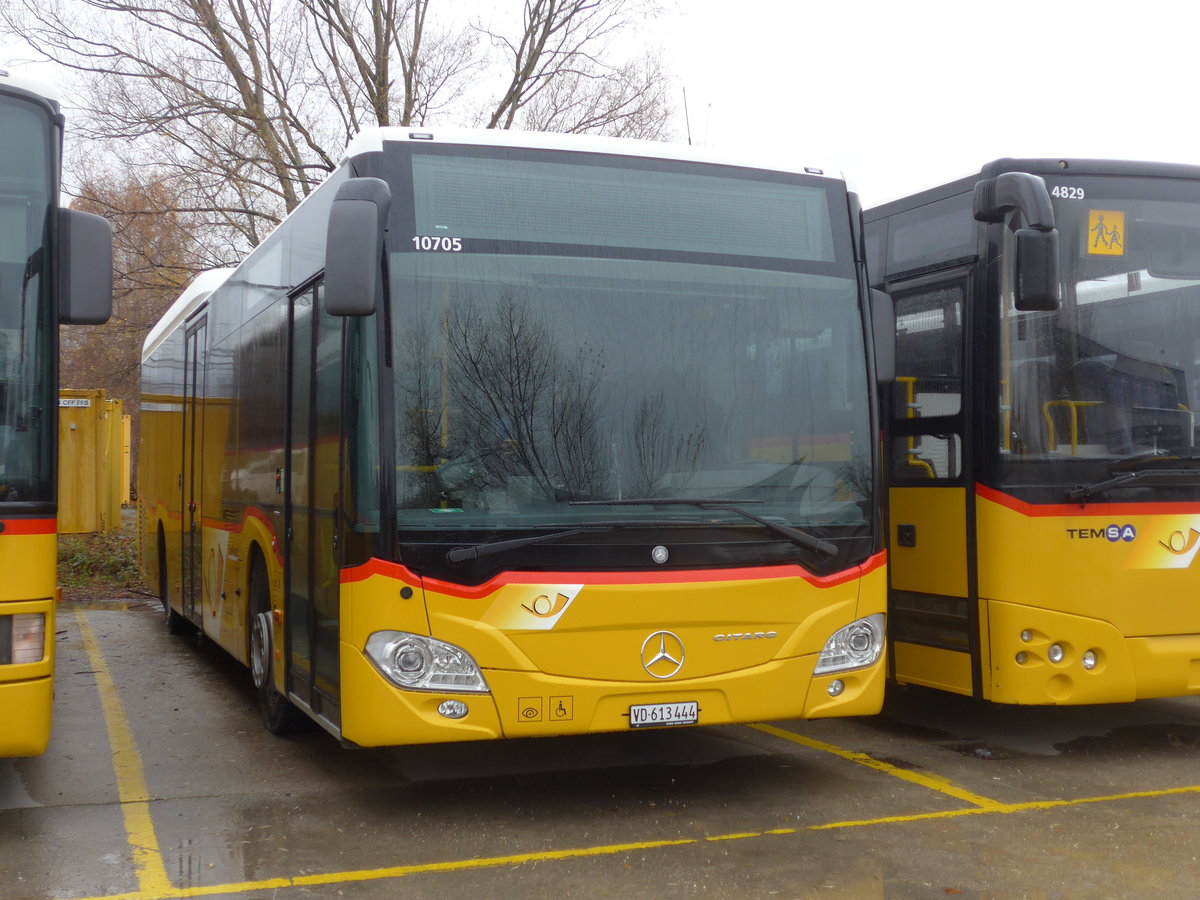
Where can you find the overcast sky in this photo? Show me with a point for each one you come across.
(898, 95)
(902, 95)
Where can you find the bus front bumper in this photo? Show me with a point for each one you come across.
(533, 704)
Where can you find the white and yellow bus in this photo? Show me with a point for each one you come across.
(55, 266)
(1044, 480)
(504, 435)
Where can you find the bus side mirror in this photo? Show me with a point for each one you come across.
(354, 247)
(85, 262)
(1036, 285)
(1036, 264)
(883, 327)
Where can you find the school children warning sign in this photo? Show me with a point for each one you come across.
(1106, 232)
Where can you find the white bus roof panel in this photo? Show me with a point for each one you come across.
(373, 139)
(30, 84)
(190, 300)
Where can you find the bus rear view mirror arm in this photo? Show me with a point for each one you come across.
(1014, 192)
(354, 247)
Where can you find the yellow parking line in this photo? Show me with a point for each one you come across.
(933, 782)
(1005, 808)
(131, 781)
(365, 875)
(154, 884)
(362, 875)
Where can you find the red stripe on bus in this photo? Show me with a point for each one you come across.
(29, 526)
(402, 573)
(1103, 510)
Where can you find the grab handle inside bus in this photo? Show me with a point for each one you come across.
(354, 247)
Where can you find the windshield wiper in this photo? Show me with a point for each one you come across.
(1166, 476)
(463, 554)
(724, 504)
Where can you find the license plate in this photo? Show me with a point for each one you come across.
(646, 715)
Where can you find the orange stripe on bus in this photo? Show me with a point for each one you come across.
(1103, 510)
(403, 573)
(29, 526)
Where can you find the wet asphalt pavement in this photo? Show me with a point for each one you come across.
(160, 783)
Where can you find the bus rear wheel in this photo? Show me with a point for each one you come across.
(279, 715)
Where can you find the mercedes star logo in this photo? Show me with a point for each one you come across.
(662, 654)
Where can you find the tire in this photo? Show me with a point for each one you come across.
(279, 715)
(176, 624)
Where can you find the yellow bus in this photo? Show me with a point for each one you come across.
(55, 266)
(503, 435)
(1044, 481)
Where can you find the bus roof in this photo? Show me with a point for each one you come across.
(191, 299)
(21, 83)
(1044, 166)
(373, 139)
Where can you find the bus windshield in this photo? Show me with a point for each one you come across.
(26, 317)
(570, 328)
(1111, 378)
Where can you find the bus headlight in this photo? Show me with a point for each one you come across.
(421, 663)
(28, 637)
(858, 644)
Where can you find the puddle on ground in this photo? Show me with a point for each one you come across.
(12, 790)
(1159, 737)
(979, 750)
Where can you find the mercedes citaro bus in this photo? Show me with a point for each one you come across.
(503, 435)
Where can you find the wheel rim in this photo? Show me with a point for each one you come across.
(260, 648)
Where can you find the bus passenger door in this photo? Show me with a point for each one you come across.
(933, 623)
(313, 446)
(193, 468)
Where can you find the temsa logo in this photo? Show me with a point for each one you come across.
(1112, 533)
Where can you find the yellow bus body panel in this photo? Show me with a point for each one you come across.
(27, 707)
(1119, 580)
(565, 656)
(938, 562)
(29, 563)
(933, 667)
(27, 689)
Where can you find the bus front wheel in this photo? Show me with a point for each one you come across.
(279, 715)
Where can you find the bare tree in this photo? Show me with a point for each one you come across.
(154, 256)
(245, 105)
(562, 77)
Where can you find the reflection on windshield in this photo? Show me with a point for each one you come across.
(527, 383)
(1114, 373)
